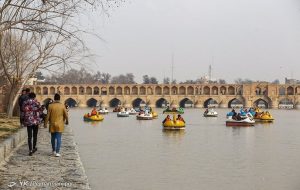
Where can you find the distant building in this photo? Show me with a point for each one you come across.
(292, 81)
(32, 81)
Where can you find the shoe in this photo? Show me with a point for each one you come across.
(57, 155)
(54, 153)
(30, 153)
(34, 150)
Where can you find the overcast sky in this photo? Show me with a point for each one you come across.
(256, 39)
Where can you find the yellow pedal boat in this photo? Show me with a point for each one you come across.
(97, 117)
(171, 125)
(154, 114)
(264, 116)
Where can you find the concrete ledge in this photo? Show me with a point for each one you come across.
(11, 143)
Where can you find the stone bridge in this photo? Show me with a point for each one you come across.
(158, 95)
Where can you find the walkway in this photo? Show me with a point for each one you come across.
(42, 170)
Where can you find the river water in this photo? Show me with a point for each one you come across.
(127, 154)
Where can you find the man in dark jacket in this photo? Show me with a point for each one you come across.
(22, 99)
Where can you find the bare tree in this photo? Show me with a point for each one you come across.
(40, 34)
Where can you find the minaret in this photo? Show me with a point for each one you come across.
(209, 73)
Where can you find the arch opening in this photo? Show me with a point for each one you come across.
(210, 103)
(115, 102)
(235, 103)
(92, 102)
(138, 103)
(286, 104)
(162, 103)
(261, 103)
(186, 103)
(71, 102)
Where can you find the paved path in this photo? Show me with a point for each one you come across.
(42, 170)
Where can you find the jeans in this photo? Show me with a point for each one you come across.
(56, 136)
(32, 131)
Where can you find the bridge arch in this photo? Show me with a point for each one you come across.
(182, 90)
(81, 90)
(89, 90)
(38, 90)
(231, 90)
(174, 90)
(96, 90)
(104, 91)
(127, 90)
(149, 91)
(206, 90)
(111, 90)
(71, 102)
(166, 90)
(134, 90)
(138, 102)
(186, 103)
(215, 90)
(281, 91)
(235, 103)
(210, 103)
(290, 90)
(190, 90)
(119, 90)
(74, 90)
(142, 90)
(66, 90)
(115, 102)
(92, 102)
(45, 90)
(52, 90)
(261, 103)
(223, 90)
(160, 103)
(158, 90)
(297, 90)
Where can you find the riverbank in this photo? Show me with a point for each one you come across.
(8, 126)
(43, 170)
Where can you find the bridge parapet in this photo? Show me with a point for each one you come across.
(200, 95)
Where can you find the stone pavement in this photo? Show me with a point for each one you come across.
(43, 170)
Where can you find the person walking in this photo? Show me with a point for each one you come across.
(21, 100)
(32, 119)
(57, 117)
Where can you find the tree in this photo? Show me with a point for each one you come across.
(149, 80)
(40, 34)
(166, 80)
(153, 80)
(243, 81)
(123, 79)
(146, 79)
(222, 81)
(105, 78)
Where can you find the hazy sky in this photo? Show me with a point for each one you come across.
(256, 39)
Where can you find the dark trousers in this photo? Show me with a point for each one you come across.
(32, 132)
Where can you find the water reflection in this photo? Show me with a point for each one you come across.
(177, 134)
(91, 123)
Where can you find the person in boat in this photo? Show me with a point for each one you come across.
(238, 117)
(179, 118)
(94, 112)
(206, 111)
(167, 119)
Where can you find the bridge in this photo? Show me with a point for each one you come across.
(158, 95)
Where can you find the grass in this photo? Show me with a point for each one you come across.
(8, 126)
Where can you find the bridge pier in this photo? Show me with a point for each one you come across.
(223, 106)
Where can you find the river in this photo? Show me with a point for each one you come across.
(127, 154)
